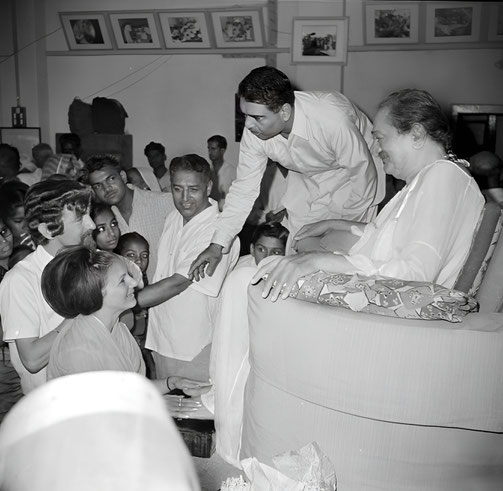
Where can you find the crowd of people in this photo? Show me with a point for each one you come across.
(99, 272)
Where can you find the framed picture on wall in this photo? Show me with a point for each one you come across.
(85, 30)
(238, 28)
(452, 22)
(391, 23)
(185, 29)
(496, 23)
(24, 139)
(135, 30)
(316, 40)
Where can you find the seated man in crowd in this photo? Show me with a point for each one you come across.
(181, 311)
(156, 156)
(136, 210)
(57, 213)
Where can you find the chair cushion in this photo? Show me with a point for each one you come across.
(481, 251)
(385, 296)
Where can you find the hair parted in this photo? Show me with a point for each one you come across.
(410, 106)
(191, 162)
(73, 281)
(45, 201)
(270, 229)
(267, 85)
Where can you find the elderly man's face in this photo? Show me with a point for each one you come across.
(190, 193)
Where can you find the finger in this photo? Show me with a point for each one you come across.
(195, 264)
(259, 275)
(212, 265)
(195, 274)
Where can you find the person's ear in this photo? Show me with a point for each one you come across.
(44, 231)
(252, 250)
(418, 134)
(286, 111)
(123, 175)
(208, 187)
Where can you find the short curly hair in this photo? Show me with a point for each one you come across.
(45, 201)
(98, 162)
(73, 281)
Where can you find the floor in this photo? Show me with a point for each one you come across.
(211, 471)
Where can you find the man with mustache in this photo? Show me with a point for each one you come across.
(136, 210)
(57, 214)
(320, 137)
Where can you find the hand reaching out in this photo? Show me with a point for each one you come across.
(209, 258)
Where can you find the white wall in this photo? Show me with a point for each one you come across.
(181, 99)
(180, 104)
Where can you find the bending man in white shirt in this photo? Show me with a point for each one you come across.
(322, 138)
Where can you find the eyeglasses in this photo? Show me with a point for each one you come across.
(5, 233)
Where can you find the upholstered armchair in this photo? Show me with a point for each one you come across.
(396, 404)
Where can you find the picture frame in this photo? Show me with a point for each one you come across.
(453, 22)
(86, 30)
(135, 30)
(317, 40)
(238, 28)
(185, 29)
(391, 23)
(495, 31)
(24, 139)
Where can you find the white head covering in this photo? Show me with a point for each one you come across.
(95, 430)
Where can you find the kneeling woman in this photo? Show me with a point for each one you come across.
(92, 288)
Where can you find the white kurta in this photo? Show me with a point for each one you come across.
(25, 313)
(425, 232)
(332, 173)
(183, 325)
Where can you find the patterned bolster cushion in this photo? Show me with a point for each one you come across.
(385, 296)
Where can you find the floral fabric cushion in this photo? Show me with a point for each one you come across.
(385, 296)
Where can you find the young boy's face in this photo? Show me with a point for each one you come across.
(267, 246)
(138, 252)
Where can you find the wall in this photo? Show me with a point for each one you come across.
(181, 99)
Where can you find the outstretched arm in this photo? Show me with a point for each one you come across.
(162, 290)
(210, 258)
